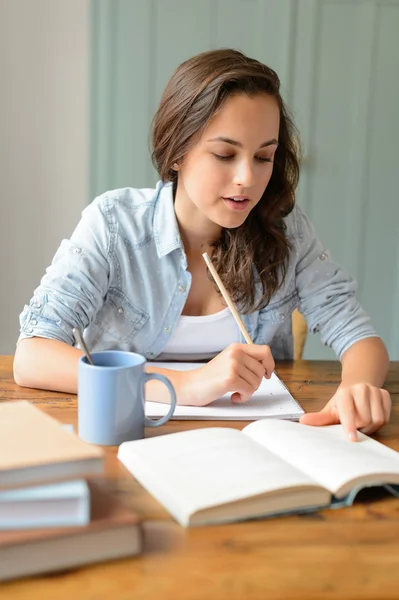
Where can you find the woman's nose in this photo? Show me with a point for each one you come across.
(244, 174)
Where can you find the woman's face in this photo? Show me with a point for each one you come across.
(226, 172)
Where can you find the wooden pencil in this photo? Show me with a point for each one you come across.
(227, 298)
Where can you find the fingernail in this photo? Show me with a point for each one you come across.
(352, 436)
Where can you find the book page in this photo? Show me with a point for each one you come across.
(325, 454)
(271, 399)
(193, 470)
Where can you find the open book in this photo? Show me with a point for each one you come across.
(271, 467)
(271, 399)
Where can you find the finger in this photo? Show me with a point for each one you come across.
(269, 366)
(239, 378)
(240, 397)
(362, 399)
(254, 366)
(261, 353)
(248, 377)
(268, 363)
(386, 405)
(327, 416)
(347, 414)
(377, 412)
(237, 398)
(319, 419)
(243, 392)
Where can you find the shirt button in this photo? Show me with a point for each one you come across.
(77, 250)
(281, 317)
(167, 330)
(182, 288)
(30, 330)
(323, 256)
(37, 304)
(33, 322)
(120, 310)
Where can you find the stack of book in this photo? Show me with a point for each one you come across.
(56, 509)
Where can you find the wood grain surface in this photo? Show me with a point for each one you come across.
(346, 553)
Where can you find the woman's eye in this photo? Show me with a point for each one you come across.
(262, 159)
(223, 157)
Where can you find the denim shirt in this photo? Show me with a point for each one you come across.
(122, 278)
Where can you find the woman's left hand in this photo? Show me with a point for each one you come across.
(357, 406)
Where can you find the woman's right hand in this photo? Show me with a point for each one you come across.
(238, 369)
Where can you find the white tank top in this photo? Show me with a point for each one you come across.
(200, 338)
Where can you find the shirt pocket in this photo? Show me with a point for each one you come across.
(278, 311)
(119, 319)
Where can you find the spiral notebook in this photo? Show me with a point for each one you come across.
(271, 400)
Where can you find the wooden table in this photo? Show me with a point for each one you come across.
(347, 553)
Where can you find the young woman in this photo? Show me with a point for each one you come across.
(132, 274)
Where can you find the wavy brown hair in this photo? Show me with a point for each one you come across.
(198, 89)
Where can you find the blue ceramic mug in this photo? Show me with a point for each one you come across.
(111, 398)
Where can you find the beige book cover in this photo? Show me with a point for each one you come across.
(36, 448)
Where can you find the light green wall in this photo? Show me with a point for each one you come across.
(339, 66)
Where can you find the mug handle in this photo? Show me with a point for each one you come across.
(149, 422)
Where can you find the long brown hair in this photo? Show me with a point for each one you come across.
(195, 92)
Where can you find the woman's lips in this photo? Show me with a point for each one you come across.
(241, 202)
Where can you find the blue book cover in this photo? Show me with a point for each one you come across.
(55, 505)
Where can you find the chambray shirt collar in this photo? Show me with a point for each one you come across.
(166, 230)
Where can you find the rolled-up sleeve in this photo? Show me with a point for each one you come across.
(327, 294)
(72, 290)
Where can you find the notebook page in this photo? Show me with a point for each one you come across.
(271, 399)
(325, 453)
